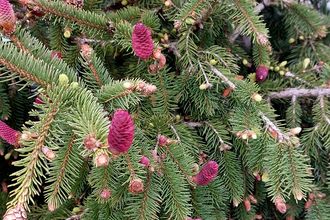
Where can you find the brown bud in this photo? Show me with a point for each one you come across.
(86, 51)
(280, 205)
(91, 143)
(247, 205)
(136, 186)
(308, 204)
(253, 199)
(105, 194)
(50, 155)
(101, 160)
(16, 213)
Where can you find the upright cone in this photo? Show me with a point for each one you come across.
(121, 132)
(142, 41)
(207, 173)
(8, 134)
(7, 17)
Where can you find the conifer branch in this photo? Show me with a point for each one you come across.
(269, 124)
(18, 43)
(292, 75)
(69, 12)
(215, 131)
(62, 171)
(145, 196)
(95, 74)
(326, 118)
(23, 73)
(192, 9)
(22, 194)
(129, 165)
(290, 92)
(222, 76)
(188, 177)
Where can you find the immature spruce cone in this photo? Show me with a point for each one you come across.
(145, 161)
(207, 173)
(16, 213)
(121, 132)
(142, 41)
(7, 17)
(8, 134)
(280, 205)
(136, 186)
(261, 73)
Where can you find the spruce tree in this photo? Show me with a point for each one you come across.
(164, 109)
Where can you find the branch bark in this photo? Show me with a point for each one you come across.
(288, 93)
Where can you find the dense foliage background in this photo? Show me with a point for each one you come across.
(175, 109)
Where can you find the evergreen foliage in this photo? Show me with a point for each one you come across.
(69, 65)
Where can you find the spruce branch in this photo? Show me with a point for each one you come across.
(245, 13)
(269, 124)
(292, 75)
(296, 92)
(322, 106)
(79, 16)
(18, 43)
(130, 165)
(56, 197)
(28, 183)
(23, 73)
(222, 76)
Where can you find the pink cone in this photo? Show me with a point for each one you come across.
(207, 173)
(144, 161)
(142, 41)
(7, 17)
(261, 73)
(121, 132)
(8, 134)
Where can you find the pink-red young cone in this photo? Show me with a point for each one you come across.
(8, 134)
(7, 17)
(142, 41)
(207, 173)
(144, 161)
(261, 73)
(121, 132)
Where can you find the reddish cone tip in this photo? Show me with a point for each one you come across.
(207, 173)
(144, 161)
(7, 17)
(142, 41)
(261, 73)
(8, 134)
(136, 186)
(121, 132)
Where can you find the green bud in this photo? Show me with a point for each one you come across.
(63, 79)
(277, 69)
(190, 21)
(124, 2)
(8, 155)
(213, 62)
(76, 210)
(291, 40)
(245, 62)
(283, 63)
(203, 86)
(306, 62)
(74, 85)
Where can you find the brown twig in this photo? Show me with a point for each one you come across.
(269, 124)
(288, 93)
(222, 77)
